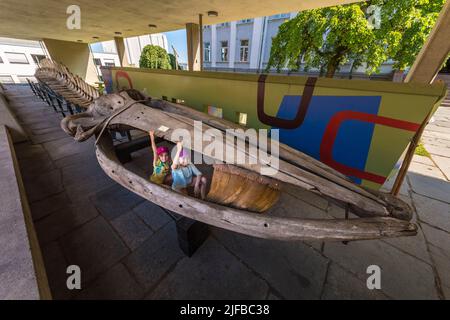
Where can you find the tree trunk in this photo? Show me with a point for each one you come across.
(334, 62)
(331, 68)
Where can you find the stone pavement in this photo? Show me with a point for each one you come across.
(127, 247)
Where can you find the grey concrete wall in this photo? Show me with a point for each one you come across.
(8, 119)
(22, 272)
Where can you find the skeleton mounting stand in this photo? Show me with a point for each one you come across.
(191, 233)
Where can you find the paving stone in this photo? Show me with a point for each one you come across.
(80, 172)
(42, 125)
(389, 183)
(434, 128)
(436, 135)
(415, 246)
(272, 296)
(430, 186)
(402, 276)
(83, 190)
(26, 150)
(65, 147)
(132, 230)
(43, 185)
(211, 273)
(437, 150)
(50, 136)
(38, 132)
(114, 201)
(114, 284)
(433, 212)
(426, 170)
(306, 196)
(44, 207)
(155, 257)
(154, 216)
(423, 160)
(293, 269)
(76, 159)
(56, 267)
(443, 163)
(64, 221)
(342, 285)
(34, 166)
(94, 247)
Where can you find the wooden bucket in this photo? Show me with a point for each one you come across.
(242, 189)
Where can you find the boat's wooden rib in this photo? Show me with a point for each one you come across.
(253, 224)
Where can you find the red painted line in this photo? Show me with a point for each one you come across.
(329, 137)
(123, 74)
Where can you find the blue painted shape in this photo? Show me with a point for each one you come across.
(353, 139)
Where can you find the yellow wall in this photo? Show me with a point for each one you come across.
(76, 56)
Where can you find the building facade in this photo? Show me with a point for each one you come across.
(244, 46)
(19, 58)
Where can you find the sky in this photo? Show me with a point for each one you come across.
(178, 40)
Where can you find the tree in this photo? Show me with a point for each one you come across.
(173, 62)
(329, 37)
(154, 57)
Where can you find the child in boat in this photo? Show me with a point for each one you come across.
(185, 174)
(161, 163)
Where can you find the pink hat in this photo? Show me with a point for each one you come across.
(161, 150)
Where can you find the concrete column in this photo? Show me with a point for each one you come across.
(256, 43)
(200, 34)
(434, 51)
(193, 46)
(121, 51)
(213, 45)
(263, 44)
(232, 45)
(75, 56)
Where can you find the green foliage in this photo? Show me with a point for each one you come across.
(154, 57)
(421, 151)
(329, 37)
(173, 62)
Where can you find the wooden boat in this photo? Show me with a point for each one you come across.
(239, 197)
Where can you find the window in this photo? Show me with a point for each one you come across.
(245, 21)
(280, 16)
(37, 58)
(224, 51)
(207, 52)
(109, 63)
(6, 79)
(243, 52)
(225, 24)
(97, 62)
(16, 58)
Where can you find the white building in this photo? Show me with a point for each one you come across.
(244, 45)
(19, 58)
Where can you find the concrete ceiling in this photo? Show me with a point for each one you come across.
(38, 19)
